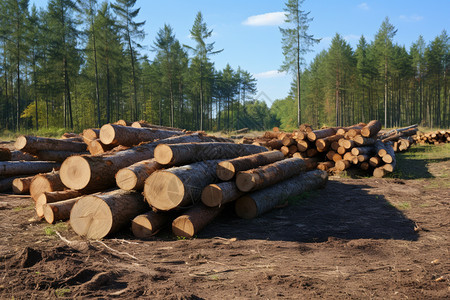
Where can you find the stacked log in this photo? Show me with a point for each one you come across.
(434, 137)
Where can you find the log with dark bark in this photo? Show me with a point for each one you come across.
(6, 183)
(302, 145)
(320, 134)
(58, 156)
(5, 154)
(59, 211)
(389, 157)
(363, 150)
(342, 165)
(194, 220)
(364, 141)
(32, 144)
(96, 147)
(11, 168)
(131, 136)
(182, 154)
(96, 173)
(144, 124)
(326, 165)
(267, 175)
(21, 186)
(90, 135)
(96, 216)
(324, 143)
(19, 155)
(375, 161)
(52, 197)
(47, 182)
(179, 187)
(259, 202)
(371, 129)
(226, 170)
(123, 123)
(147, 225)
(218, 194)
(133, 177)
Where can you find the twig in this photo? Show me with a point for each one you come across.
(115, 251)
(122, 241)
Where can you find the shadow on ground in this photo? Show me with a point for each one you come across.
(340, 210)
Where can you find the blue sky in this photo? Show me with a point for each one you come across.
(248, 32)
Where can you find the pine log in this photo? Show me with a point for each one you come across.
(363, 150)
(299, 135)
(311, 162)
(218, 194)
(11, 168)
(5, 154)
(348, 144)
(380, 148)
(259, 202)
(311, 152)
(131, 136)
(323, 143)
(264, 176)
(337, 157)
(97, 173)
(320, 134)
(389, 157)
(226, 170)
(379, 172)
(330, 155)
(144, 124)
(271, 134)
(96, 216)
(363, 157)
(342, 165)
(133, 177)
(19, 155)
(179, 187)
(288, 140)
(183, 154)
(32, 144)
(123, 123)
(375, 161)
(341, 150)
(47, 182)
(52, 197)
(6, 183)
(58, 156)
(285, 150)
(147, 225)
(325, 166)
(301, 155)
(352, 133)
(348, 156)
(59, 211)
(21, 186)
(90, 135)
(371, 129)
(355, 127)
(194, 220)
(273, 144)
(302, 145)
(363, 141)
(364, 166)
(334, 146)
(389, 167)
(96, 147)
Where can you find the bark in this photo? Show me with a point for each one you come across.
(59, 211)
(21, 186)
(90, 134)
(389, 157)
(363, 141)
(218, 194)
(194, 220)
(264, 176)
(179, 187)
(96, 216)
(131, 136)
(320, 134)
(182, 154)
(11, 168)
(58, 156)
(371, 129)
(133, 177)
(363, 150)
(96, 173)
(325, 166)
(325, 143)
(48, 182)
(52, 197)
(226, 170)
(33, 144)
(259, 202)
(96, 147)
(5, 154)
(147, 225)
(19, 155)
(143, 124)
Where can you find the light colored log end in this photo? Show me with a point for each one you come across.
(21, 142)
(75, 172)
(246, 208)
(126, 179)
(107, 134)
(163, 154)
(245, 181)
(182, 226)
(225, 170)
(212, 195)
(164, 190)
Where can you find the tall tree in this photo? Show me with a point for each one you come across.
(296, 42)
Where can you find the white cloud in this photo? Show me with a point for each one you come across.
(411, 18)
(363, 6)
(269, 74)
(269, 19)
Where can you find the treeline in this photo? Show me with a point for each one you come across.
(79, 64)
(378, 80)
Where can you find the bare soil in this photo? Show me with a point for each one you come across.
(359, 238)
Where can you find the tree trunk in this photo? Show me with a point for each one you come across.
(182, 154)
(179, 186)
(21, 186)
(96, 173)
(218, 194)
(48, 182)
(96, 216)
(59, 211)
(371, 129)
(259, 202)
(134, 176)
(226, 170)
(147, 225)
(58, 156)
(364, 141)
(130, 136)
(194, 220)
(267, 175)
(11, 168)
(32, 144)
(51, 197)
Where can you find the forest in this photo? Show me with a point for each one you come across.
(80, 64)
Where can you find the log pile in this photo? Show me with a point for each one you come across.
(435, 137)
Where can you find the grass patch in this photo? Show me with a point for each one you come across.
(51, 230)
(403, 205)
(53, 132)
(61, 293)
(20, 208)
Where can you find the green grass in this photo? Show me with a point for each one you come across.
(403, 205)
(53, 132)
(51, 230)
(61, 293)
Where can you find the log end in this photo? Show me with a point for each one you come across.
(141, 227)
(40, 204)
(212, 195)
(182, 226)
(245, 181)
(75, 172)
(163, 154)
(126, 179)
(246, 208)
(311, 136)
(164, 190)
(107, 134)
(48, 214)
(91, 217)
(225, 170)
(21, 142)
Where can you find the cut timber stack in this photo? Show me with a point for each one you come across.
(434, 137)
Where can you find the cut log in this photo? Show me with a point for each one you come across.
(194, 220)
(274, 144)
(32, 144)
(371, 129)
(325, 166)
(389, 157)
(322, 144)
(96, 147)
(363, 141)
(96, 216)
(342, 165)
(259, 202)
(21, 186)
(341, 150)
(311, 152)
(11, 168)
(48, 182)
(97, 173)
(90, 135)
(301, 155)
(183, 154)
(19, 155)
(130, 136)
(144, 124)
(134, 176)
(380, 148)
(348, 156)
(59, 211)
(123, 123)
(288, 140)
(302, 146)
(334, 146)
(320, 134)
(330, 155)
(311, 162)
(226, 170)
(179, 186)
(363, 150)
(271, 134)
(52, 197)
(218, 194)
(305, 127)
(5, 154)
(379, 172)
(337, 157)
(363, 157)
(58, 156)
(264, 176)
(348, 144)
(6, 183)
(364, 166)
(375, 161)
(285, 150)
(147, 225)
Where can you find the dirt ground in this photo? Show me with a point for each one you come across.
(362, 238)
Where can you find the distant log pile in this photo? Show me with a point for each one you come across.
(435, 137)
